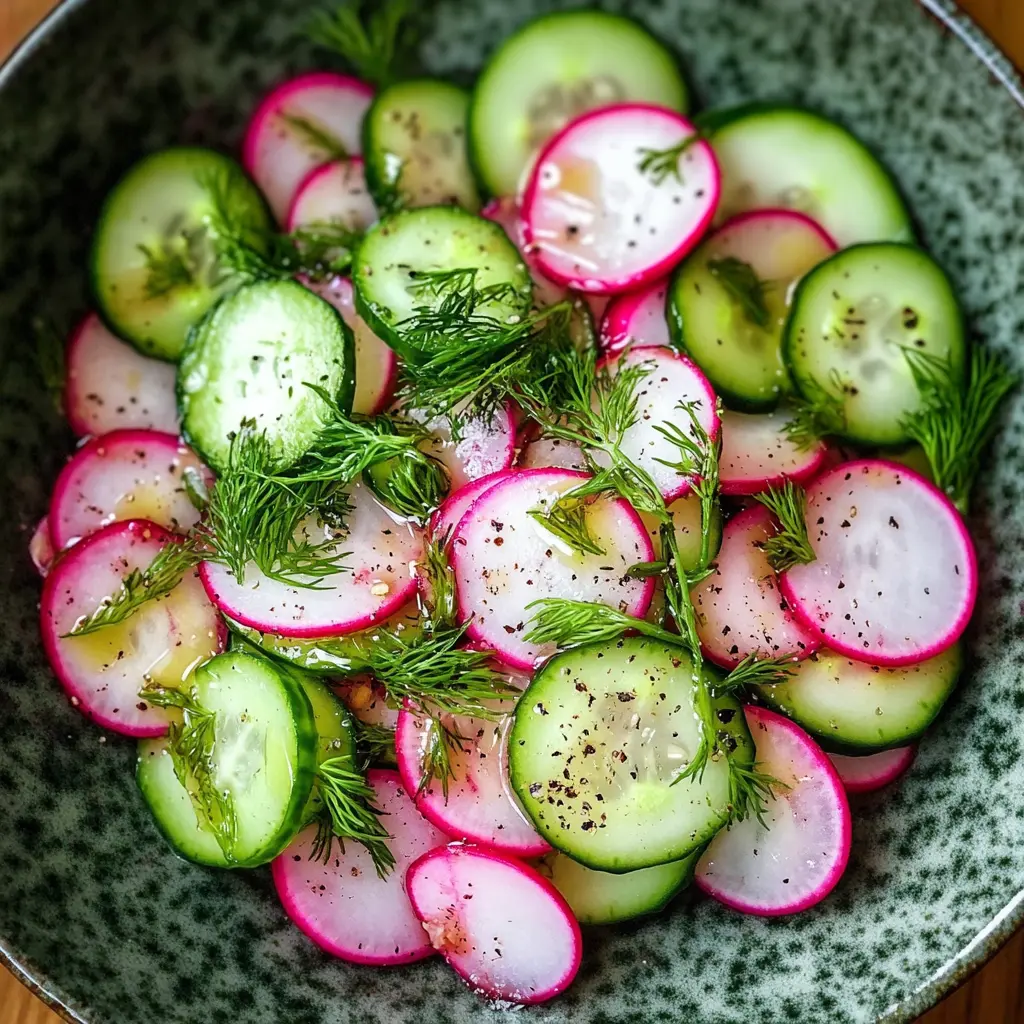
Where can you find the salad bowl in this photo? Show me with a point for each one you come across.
(100, 917)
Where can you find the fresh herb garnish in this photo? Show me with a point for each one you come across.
(374, 743)
(661, 164)
(567, 521)
(790, 545)
(316, 136)
(175, 262)
(440, 611)
(957, 418)
(818, 413)
(744, 287)
(443, 742)
(756, 671)
(371, 35)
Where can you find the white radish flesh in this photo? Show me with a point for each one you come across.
(376, 362)
(343, 906)
(671, 381)
(112, 386)
(458, 502)
(378, 579)
(506, 930)
(506, 213)
(740, 607)
(796, 858)
(504, 559)
(757, 453)
(867, 772)
(552, 453)
(278, 152)
(599, 223)
(128, 474)
(895, 578)
(158, 645)
(484, 446)
(333, 194)
(636, 318)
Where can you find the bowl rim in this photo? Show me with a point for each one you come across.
(989, 940)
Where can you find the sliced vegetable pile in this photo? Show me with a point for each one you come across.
(476, 616)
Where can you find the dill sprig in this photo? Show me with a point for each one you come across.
(349, 812)
(175, 262)
(370, 36)
(192, 747)
(750, 790)
(817, 413)
(957, 418)
(567, 521)
(755, 671)
(661, 164)
(790, 545)
(744, 287)
(441, 611)
(316, 135)
(374, 743)
(443, 742)
(169, 567)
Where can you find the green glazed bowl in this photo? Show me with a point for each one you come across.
(111, 928)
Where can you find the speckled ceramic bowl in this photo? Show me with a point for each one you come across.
(94, 909)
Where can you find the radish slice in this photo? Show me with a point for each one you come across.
(479, 806)
(636, 318)
(279, 153)
(111, 386)
(483, 448)
(377, 581)
(596, 221)
(40, 548)
(757, 453)
(457, 504)
(335, 194)
(503, 928)
(740, 608)
(504, 559)
(868, 772)
(796, 858)
(506, 213)
(343, 906)
(552, 453)
(159, 645)
(376, 362)
(127, 474)
(895, 576)
(671, 381)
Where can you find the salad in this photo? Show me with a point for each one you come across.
(499, 510)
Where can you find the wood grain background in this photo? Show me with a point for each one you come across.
(995, 995)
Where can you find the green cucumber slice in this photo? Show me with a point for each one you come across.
(600, 897)
(854, 708)
(264, 756)
(251, 358)
(594, 717)
(161, 207)
(414, 146)
(552, 70)
(433, 238)
(772, 157)
(852, 322)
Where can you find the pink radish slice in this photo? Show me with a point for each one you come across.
(479, 806)
(482, 449)
(596, 221)
(160, 644)
(636, 318)
(503, 928)
(279, 154)
(112, 386)
(504, 559)
(457, 504)
(40, 548)
(127, 474)
(377, 581)
(367, 699)
(868, 772)
(671, 380)
(757, 453)
(335, 194)
(796, 861)
(376, 362)
(895, 576)
(552, 453)
(343, 906)
(506, 213)
(740, 608)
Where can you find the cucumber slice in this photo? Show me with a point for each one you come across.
(773, 157)
(551, 71)
(433, 238)
(264, 756)
(600, 897)
(331, 656)
(251, 358)
(852, 320)
(414, 145)
(598, 738)
(855, 708)
(160, 207)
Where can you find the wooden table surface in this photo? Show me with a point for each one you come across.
(995, 995)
